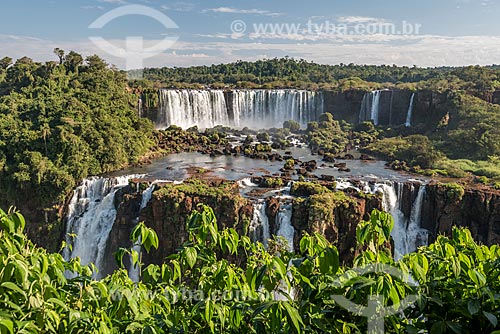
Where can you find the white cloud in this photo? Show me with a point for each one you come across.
(93, 7)
(426, 50)
(360, 19)
(230, 10)
(117, 2)
(179, 7)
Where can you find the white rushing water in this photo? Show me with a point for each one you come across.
(187, 108)
(91, 215)
(241, 108)
(409, 116)
(370, 107)
(259, 226)
(134, 271)
(271, 108)
(284, 223)
(407, 232)
(416, 236)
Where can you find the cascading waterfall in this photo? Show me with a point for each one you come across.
(284, 223)
(270, 108)
(91, 215)
(409, 116)
(407, 233)
(187, 108)
(246, 108)
(370, 107)
(259, 226)
(416, 236)
(375, 106)
(134, 271)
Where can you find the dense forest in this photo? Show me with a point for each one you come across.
(291, 73)
(61, 122)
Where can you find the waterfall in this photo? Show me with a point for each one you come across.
(187, 108)
(139, 108)
(416, 236)
(375, 106)
(370, 107)
(91, 215)
(284, 223)
(271, 108)
(407, 232)
(241, 108)
(259, 226)
(410, 111)
(134, 271)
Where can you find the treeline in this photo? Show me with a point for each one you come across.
(291, 73)
(61, 122)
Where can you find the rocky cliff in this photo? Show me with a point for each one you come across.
(473, 207)
(316, 209)
(171, 205)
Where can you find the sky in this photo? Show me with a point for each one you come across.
(183, 33)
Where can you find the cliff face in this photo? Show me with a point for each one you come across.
(334, 216)
(171, 205)
(429, 107)
(478, 209)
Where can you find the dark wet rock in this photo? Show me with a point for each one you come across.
(327, 177)
(366, 157)
(328, 157)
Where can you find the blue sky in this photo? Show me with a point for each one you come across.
(444, 32)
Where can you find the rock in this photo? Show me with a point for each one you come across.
(328, 157)
(327, 177)
(366, 157)
(310, 166)
(302, 171)
(340, 165)
(348, 157)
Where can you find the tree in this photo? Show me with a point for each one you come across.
(5, 62)
(73, 61)
(60, 54)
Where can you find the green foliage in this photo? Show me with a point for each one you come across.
(326, 135)
(60, 123)
(263, 137)
(307, 189)
(301, 74)
(292, 125)
(289, 164)
(197, 290)
(454, 191)
(272, 182)
(474, 131)
(416, 150)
